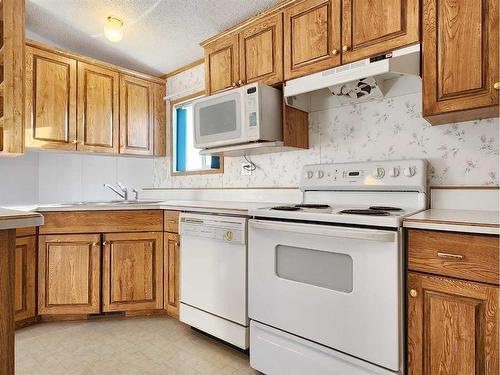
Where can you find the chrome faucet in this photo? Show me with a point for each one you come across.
(124, 192)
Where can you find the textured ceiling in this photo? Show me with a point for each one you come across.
(159, 35)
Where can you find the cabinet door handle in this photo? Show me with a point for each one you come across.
(240, 82)
(104, 243)
(177, 244)
(345, 48)
(413, 293)
(450, 256)
(496, 86)
(335, 51)
(95, 244)
(234, 84)
(74, 141)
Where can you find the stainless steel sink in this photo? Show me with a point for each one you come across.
(110, 203)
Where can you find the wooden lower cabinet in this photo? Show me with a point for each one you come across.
(25, 278)
(452, 326)
(171, 266)
(69, 274)
(132, 271)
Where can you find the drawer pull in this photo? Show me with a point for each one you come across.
(450, 256)
(413, 293)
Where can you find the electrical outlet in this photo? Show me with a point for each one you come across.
(246, 169)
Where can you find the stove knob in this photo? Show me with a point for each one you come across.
(394, 172)
(309, 175)
(378, 172)
(409, 172)
(321, 174)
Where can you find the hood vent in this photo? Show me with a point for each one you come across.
(356, 82)
(361, 90)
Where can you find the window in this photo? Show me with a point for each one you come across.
(186, 159)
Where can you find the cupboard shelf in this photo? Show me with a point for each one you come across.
(256, 148)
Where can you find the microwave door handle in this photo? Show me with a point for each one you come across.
(322, 230)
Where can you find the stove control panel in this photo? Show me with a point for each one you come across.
(398, 175)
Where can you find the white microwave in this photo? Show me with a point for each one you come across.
(246, 114)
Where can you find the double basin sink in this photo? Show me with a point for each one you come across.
(110, 203)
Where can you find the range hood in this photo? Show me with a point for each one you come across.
(356, 82)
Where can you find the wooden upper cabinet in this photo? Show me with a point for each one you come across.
(12, 76)
(98, 109)
(171, 273)
(452, 326)
(160, 120)
(136, 116)
(372, 27)
(69, 274)
(222, 64)
(261, 51)
(25, 278)
(50, 100)
(460, 60)
(133, 271)
(311, 37)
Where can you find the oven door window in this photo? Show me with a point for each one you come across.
(314, 267)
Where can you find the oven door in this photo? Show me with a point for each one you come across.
(218, 120)
(337, 286)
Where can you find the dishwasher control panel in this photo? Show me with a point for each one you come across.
(214, 227)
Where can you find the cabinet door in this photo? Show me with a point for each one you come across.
(372, 27)
(69, 274)
(98, 110)
(172, 248)
(25, 278)
(50, 100)
(136, 116)
(221, 65)
(452, 326)
(312, 37)
(460, 60)
(133, 271)
(261, 51)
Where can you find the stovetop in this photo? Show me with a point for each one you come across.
(374, 193)
(383, 216)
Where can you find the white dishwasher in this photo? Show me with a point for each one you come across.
(213, 285)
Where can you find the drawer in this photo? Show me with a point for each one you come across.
(23, 232)
(465, 256)
(102, 221)
(171, 221)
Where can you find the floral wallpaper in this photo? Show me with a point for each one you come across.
(459, 154)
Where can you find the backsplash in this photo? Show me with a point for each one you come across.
(52, 177)
(459, 154)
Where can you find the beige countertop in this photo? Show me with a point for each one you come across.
(218, 207)
(471, 221)
(12, 219)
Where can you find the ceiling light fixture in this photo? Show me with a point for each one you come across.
(113, 30)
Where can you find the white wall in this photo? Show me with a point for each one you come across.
(51, 177)
(19, 180)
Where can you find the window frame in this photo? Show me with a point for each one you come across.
(173, 172)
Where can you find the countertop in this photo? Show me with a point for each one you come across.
(470, 221)
(12, 219)
(217, 207)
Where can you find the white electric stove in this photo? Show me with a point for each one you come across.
(326, 276)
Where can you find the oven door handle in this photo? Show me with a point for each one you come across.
(329, 231)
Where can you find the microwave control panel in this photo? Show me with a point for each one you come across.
(252, 100)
